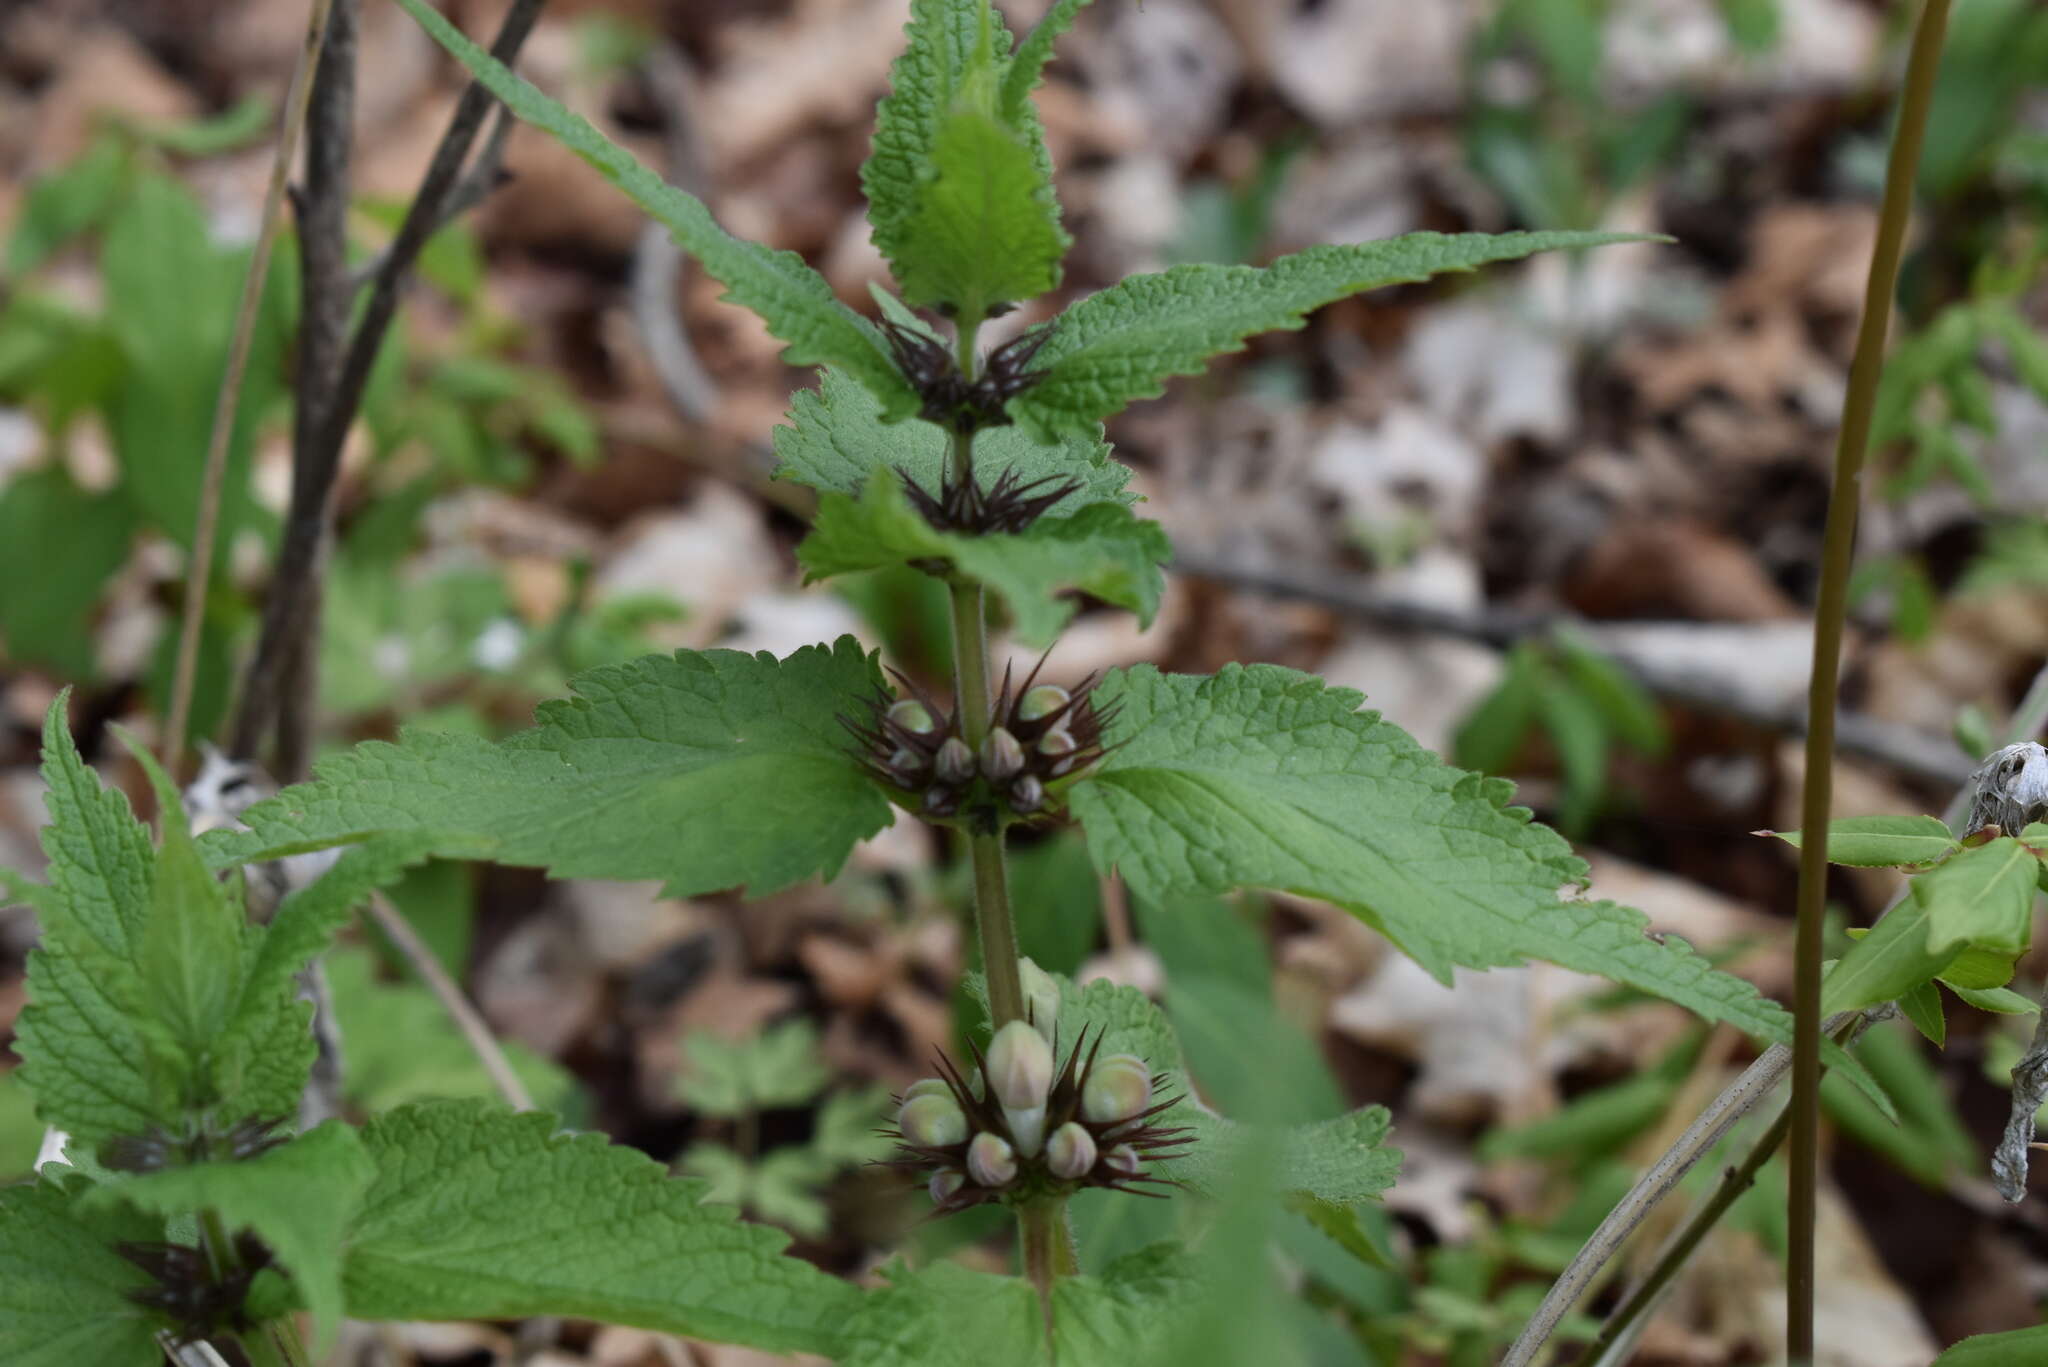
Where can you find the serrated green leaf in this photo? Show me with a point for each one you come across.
(90, 1052)
(1980, 969)
(706, 769)
(985, 229)
(795, 301)
(1028, 66)
(297, 1198)
(836, 441)
(1102, 550)
(1876, 842)
(778, 1067)
(63, 1289)
(1982, 897)
(958, 182)
(1122, 343)
(1265, 777)
(1120, 1317)
(477, 1213)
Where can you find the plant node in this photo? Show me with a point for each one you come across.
(1030, 1133)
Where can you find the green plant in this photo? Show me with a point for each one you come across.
(163, 1034)
(734, 1081)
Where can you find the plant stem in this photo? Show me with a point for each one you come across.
(206, 524)
(1048, 1251)
(1836, 556)
(1625, 1319)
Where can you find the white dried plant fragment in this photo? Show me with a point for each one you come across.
(2009, 790)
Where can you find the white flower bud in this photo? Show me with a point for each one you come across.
(926, 1086)
(1027, 795)
(1020, 1066)
(1041, 998)
(1123, 1160)
(944, 1183)
(1027, 1128)
(933, 1121)
(990, 1160)
(1117, 1088)
(954, 762)
(1070, 1153)
(1057, 742)
(1042, 701)
(913, 716)
(1002, 758)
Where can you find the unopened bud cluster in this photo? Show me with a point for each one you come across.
(1040, 738)
(1023, 1128)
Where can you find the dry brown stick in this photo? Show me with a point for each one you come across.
(1904, 748)
(281, 678)
(475, 1030)
(206, 526)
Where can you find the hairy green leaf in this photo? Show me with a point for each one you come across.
(1032, 54)
(1981, 898)
(1103, 549)
(95, 1058)
(297, 1198)
(705, 769)
(794, 300)
(477, 1213)
(986, 229)
(1265, 777)
(836, 440)
(1114, 1320)
(959, 185)
(1122, 343)
(1876, 842)
(63, 1300)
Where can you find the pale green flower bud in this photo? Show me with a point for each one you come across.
(954, 762)
(1042, 701)
(1117, 1088)
(926, 1086)
(1057, 742)
(914, 717)
(1002, 758)
(1123, 1160)
(990, 1160)
(1070, 1153)
(944, 1183)
(1041, 998)
(1020, 1066)
(1027, 1129)
(936, 1122)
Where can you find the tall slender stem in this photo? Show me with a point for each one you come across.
(206, 524)
(1850, 448)
(1048, 1249)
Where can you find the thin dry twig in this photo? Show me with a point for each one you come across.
(658, 260)
(1903, 748)
(207, 525)
(475, 1030)
(279, 685)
